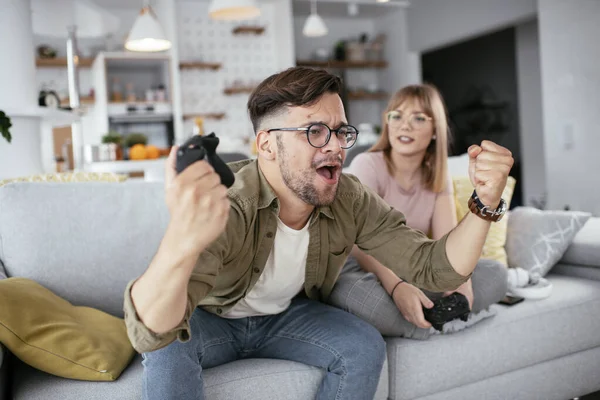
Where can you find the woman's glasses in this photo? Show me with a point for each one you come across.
(415, 120)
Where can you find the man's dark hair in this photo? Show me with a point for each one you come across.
(296, 86)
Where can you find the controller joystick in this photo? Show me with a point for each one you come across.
(199, 147)
(447, 309)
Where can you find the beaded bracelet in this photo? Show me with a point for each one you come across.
(392, 294)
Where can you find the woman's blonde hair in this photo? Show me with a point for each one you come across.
(435, 162)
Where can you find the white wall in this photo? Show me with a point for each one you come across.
(570, 55)
(344, 28)
(529, 84)
(245, 58)
(436, 23)
(18, 97)
(403, 67)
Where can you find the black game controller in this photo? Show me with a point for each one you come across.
(447, 309)
(196, 148)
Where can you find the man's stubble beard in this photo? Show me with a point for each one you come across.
(300, 182)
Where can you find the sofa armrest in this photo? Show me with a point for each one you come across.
(585, 248)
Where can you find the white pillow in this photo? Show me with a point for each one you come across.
(537, 239)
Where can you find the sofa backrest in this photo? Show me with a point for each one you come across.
(84, 241)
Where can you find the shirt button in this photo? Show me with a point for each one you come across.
(219, 311)
(257, 270)
(269, 235)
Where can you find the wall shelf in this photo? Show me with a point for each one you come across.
(361, 95)
(61, 62)
(342, 64)
(199, 65)
(83, 100)
(238, 90)
(205, 116)
(257, 30)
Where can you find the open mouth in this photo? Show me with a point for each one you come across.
(330, 172)
(405, 139)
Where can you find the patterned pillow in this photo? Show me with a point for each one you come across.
(2, 271)
(493, 247)
(69, 177)
(538, 239)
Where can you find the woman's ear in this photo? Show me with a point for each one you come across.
(265, 145)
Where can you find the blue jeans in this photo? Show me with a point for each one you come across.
(349, 349)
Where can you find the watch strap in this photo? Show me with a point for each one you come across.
(483, 211)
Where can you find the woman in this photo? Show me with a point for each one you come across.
(407, 167)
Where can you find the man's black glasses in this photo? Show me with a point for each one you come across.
(318, 135)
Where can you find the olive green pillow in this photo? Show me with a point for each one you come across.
(52, 335)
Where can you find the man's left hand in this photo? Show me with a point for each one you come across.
(489, 166)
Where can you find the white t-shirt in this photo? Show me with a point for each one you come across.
(282, 278)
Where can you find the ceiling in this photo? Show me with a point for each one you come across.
(326, 8)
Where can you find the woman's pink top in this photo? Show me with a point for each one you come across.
(417, 205)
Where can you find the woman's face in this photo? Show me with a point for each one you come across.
(410, 129)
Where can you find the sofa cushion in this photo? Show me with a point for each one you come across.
(516, 337)
(585, 248)
(577, 270)
(52, 335)
(251, 379)
(84, 241)
(537, 239)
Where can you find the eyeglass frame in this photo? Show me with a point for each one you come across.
(307, 129)
(387, 117)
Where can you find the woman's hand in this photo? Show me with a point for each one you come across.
(410, 300)
(466, 289)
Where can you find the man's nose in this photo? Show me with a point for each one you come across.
(334, 145)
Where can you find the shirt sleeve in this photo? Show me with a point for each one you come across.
(382, 233)
(364, 167)
(201, 282)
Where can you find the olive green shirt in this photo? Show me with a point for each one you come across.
(231, 265)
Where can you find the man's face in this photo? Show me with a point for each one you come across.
(312, 173)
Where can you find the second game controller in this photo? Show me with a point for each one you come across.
(447, 309)
(199, 147)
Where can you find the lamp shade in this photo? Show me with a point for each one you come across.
(314, 26)
(147, 35)
(229, 10)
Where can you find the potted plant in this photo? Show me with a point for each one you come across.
(135, 143)
(114, 141)
(5, 126)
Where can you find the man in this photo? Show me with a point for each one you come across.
(244, 272)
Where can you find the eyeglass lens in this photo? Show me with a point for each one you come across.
(318, 135)
(416, 120)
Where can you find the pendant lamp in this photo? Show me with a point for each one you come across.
(147, 35)
(228, 10)
(314, 25)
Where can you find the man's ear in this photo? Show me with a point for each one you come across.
(265, 145)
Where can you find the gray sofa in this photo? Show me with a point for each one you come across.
(85, 241)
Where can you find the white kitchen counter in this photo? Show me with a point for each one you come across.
(153, 169)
